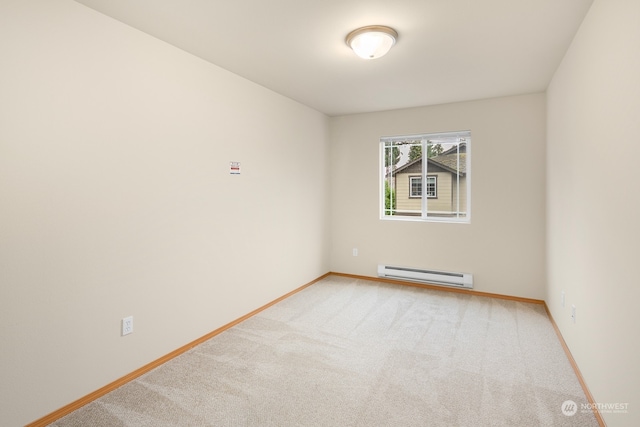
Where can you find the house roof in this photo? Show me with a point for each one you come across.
(460, 148)
(448, 162)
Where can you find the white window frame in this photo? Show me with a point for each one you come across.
(424, 215)
(422, 187)
(435, 187)
(411, 194)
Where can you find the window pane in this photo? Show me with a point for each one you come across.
(432, 187)
(402, 188)
(416, 186)
(447, 163)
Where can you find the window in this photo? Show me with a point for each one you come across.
(415, 183)
(443, 175)
(415, 186)
(432, 187)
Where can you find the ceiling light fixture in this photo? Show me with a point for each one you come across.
(372, 42)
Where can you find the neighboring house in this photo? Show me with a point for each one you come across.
(446, 178)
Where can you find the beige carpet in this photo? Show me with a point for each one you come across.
(346, 352)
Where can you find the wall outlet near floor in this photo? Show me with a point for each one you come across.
(127, 325)
(562, 298)
(573, 313)
(355, 251)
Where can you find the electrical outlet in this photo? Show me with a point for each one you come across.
(127, 325)
(355, 251)
(562, 298)
(573, 313)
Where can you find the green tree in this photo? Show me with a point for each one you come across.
(389, 199)
(415, 152)
(434, 150)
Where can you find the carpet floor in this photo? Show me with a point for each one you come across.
(349, 352)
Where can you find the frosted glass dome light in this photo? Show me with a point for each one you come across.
(372, 42)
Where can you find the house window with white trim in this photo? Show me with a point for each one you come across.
(415, 186)
(432, 186)
(443, 175)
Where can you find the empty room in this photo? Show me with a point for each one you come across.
(337, 213)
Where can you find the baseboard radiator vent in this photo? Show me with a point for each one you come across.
(456, 280)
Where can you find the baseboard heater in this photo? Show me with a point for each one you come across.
(456, 280)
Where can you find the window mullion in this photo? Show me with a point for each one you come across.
(458, 179)
(425, 163)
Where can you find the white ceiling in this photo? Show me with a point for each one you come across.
(447, 50)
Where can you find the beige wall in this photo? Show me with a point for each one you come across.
(593, 233)
(116, 200)
(504, 244)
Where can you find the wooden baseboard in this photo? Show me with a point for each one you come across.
(441, 288)
(583, 384)
(65, 410)
(587, 393)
